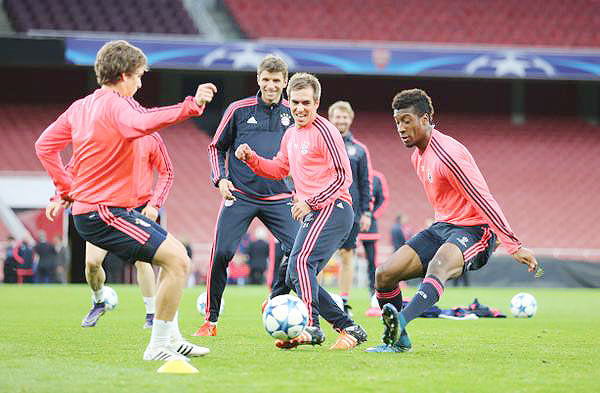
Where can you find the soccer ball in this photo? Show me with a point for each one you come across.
(201, 304)
(285, 317)
(523, 305)
(110, 298)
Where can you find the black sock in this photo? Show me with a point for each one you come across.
(385, 296)
(427, 295)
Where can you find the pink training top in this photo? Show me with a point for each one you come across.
(152, 153)
(102, 128)
(457, 190)
(316, 158)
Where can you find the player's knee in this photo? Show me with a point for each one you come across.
(181, 265)
(443, 268)
(93, 265)
(383, 278)
(447, 263)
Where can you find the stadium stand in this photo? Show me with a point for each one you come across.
(541, 23)
(542, 173)
(130, 16)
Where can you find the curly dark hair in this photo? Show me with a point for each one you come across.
(116, 58)
(415, 98)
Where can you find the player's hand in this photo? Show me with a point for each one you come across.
(526, 257)
(243, 152)
(365, 222)
(52, 209)
(299, 210)
(205, 93)
(225, 188)
(151, 212)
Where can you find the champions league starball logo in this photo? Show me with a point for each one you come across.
(509, 63)
(242, 56)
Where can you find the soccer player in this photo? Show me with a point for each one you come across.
(463, 236)
(151, 154)
(102, 128)
(341, 115)
(260, 121)
(370, 237)
(312, 152)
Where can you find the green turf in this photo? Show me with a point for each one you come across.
(43, 349)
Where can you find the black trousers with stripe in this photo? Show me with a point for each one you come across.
(233, 222)
(322, 232)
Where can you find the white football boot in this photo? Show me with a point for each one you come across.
(165, 353)
(186, 348)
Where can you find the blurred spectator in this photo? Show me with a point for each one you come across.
(238, 270)
(258, 254)
(9, 269)
(46, 268)
(398, 236)
(62, 260)
(22, 253)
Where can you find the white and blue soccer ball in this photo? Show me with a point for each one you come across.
(285, 317)
(111, 300)
(201, 304)
(523, 305)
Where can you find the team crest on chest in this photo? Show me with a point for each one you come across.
(285, 119)
(304, 147)
(351, 150)
(429, 176)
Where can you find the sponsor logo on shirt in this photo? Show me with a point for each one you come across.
(285, 119)
(252, 120)
(304, 147)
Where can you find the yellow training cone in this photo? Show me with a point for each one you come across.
(177, 367)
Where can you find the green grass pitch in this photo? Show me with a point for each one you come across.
(43, 348)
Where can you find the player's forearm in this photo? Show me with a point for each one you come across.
(271, 169)
(140, 122)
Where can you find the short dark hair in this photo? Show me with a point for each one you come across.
(415, 98)
(116, 58)
(273, 63)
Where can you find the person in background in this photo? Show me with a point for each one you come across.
(45, 272)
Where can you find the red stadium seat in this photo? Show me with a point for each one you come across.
(507, 22)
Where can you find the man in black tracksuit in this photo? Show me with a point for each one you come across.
(342, 115)
(260, 121)
(370, 237)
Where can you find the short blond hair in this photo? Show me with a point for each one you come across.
(273, 63)
(116, 58)
(302, 80)
(342, 106)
